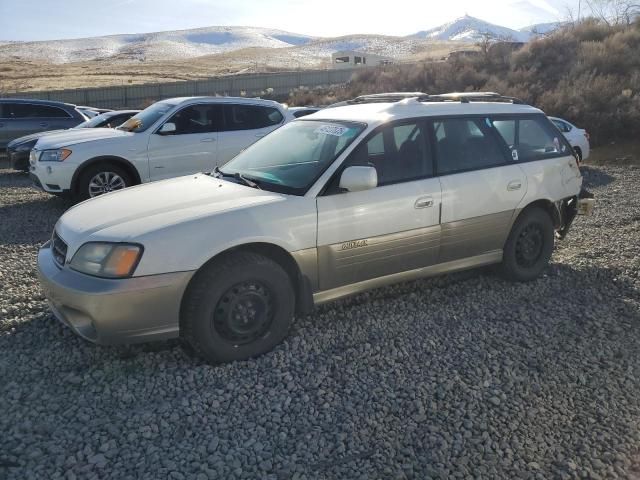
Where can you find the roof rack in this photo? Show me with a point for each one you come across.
(379, 98)
(466, 97)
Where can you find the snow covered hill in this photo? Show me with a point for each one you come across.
(471, 29)
(153, 46)
(181, 44)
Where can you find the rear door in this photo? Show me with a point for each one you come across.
(244, 125)
(192, 148)
(481, 187)
(388, 229)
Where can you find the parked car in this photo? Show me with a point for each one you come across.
(170, 138)
(349, 199)
(578, 137)
(20, 117)
(18, 149)
(298, 112)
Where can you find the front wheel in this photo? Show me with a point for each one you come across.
(238, 308)
(529, 246)
(100, 179)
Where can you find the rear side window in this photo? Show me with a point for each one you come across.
(250, 117)
(29, 110)
(204, 118)
(531, 138)
(562, 126)
(464, 144)
(400, 153)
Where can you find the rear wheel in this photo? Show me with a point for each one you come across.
(529, 246)
(238, 308)
(100, 179)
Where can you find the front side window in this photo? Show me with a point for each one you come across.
(150, 115)
(250, 117)
(291, 158)
(531, 138)
(204, 118)
(464, 144)
(399, 153)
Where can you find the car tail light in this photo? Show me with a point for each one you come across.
(586, 134)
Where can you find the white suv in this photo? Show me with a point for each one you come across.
(172, 137)
(346, 199)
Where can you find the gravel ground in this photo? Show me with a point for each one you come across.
(463, 376)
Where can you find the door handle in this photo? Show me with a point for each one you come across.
(208, 140)
(423, 202)
(514, 185)
(44, 124)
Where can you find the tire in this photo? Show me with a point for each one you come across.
(237, 308)
(529, 246)
(107, 171)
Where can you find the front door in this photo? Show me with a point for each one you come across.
(192, 148)
(391, 228)
(481, 187)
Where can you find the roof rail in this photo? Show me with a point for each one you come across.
(466, 97)
(379, 98)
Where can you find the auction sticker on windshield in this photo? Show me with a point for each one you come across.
(335, 130)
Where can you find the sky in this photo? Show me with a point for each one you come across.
(56, 19)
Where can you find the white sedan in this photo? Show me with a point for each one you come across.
(578, 137)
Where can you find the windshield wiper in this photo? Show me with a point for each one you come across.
(238, 176)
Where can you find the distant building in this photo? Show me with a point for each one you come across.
(352, 59)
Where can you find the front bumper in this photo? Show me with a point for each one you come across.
(52, 177)
(108, 311)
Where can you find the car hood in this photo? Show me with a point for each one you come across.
(78, 135)
(31, 138)
(129, 214)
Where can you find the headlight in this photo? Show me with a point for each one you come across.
(108, 260)
(54, 155)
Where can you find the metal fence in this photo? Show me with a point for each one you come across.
(139, 96)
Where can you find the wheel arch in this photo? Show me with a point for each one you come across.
(548, 206)
(301, 284)
(121, 162)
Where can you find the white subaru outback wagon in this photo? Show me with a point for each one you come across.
(170, 138)
(347, 199)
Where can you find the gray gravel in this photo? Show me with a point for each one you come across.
(464, 376)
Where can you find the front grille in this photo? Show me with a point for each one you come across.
(59, 249)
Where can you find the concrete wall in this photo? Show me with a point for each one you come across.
(139, 96)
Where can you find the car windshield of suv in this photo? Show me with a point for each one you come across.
(143, 120)
(291, 158)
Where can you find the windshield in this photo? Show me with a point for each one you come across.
(95, 122)
(143, 120)
(291, 158)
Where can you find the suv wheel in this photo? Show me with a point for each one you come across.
(102, 178)
(238, 308)
(529, 246)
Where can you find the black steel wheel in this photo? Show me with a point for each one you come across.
(237, 307)
(529, 246)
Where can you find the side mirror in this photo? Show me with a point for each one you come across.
(167, 129)
(356, 179)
